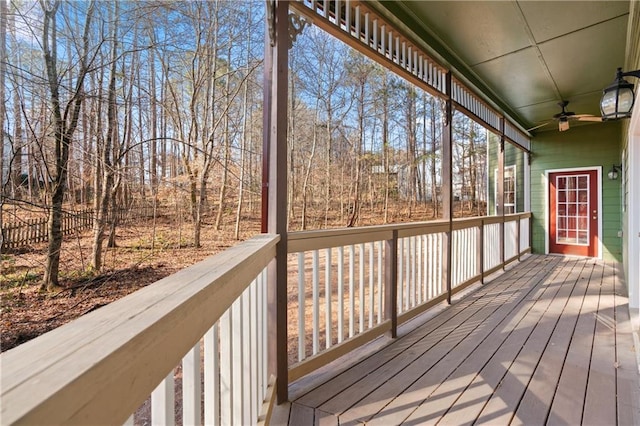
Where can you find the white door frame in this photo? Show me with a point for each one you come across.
(547, 212)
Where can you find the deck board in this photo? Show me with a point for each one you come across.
(530, 347)
(440, 383)
(568, 403)
(391, 380)
(301, 415)
(506, 398)
(473, 400)
(496, 371)
(534, 406)
(429, 334)
(600, 403)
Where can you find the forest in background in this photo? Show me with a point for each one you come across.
(111, 105)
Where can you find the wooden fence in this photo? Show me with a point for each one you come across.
(31, 231)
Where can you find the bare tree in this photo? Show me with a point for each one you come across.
(3, 71)
(105, 192)
(359, 70)
(65, 122)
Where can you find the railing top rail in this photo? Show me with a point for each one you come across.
(90, 370)
(515, 216)
(318, 239)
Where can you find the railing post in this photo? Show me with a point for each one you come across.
(530, 230)
(391, 283)
(518, 237)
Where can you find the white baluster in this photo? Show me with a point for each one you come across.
(211, 377)
(418, 255)
(301, 307)
(316, 302)
(254, 385)
(236, 361)
(371, 246)
(328, 298)
(226, 361)
(352, 304)
(191, 386)
(380, 274)
(400, 274)
(340, 294)
(361, 287)
(162, 402)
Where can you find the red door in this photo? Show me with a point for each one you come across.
(573, 213)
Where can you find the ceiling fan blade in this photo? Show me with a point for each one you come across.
(538, 126)
(586, 117)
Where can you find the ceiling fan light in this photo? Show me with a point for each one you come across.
(563, 124)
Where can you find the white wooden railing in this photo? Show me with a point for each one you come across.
(342, 280)
(203, 334)
(100, 368)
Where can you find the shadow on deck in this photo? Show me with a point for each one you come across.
(549, 341)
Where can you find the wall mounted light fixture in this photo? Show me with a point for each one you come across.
(613, 173)
(617, 99)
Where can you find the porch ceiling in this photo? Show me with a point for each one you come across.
(528, 55)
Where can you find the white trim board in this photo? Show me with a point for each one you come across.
(631, 238)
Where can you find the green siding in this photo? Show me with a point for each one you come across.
(583, 146)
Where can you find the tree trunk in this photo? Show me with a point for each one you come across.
(153, 144)
(244, 144)
(434, 153)
(18, 137)
(307, 173)
(291, 137)
(64, 128)
(104, 198)
(227, 148)
(412, 183)
(357, 150)
(327, 196)
(3, 68)
(385, 146)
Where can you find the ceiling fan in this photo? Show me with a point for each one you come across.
(565, 116)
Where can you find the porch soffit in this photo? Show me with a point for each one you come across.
(525, 55)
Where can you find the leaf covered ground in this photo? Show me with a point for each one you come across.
(27, 312)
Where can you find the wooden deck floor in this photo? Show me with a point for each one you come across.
(547, 342)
